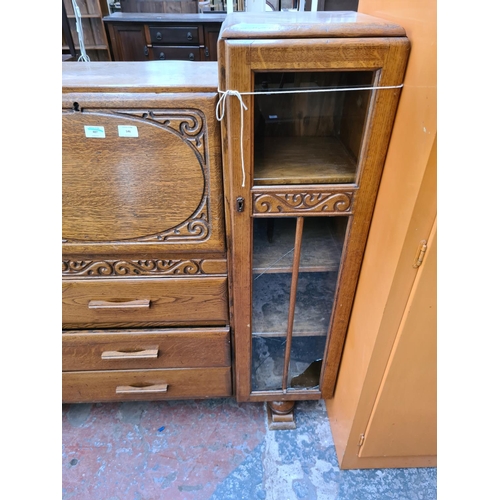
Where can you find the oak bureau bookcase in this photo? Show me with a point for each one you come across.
(155, 190)
(309, 100)
(144, 271)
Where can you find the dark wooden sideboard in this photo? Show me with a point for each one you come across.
(153, 37)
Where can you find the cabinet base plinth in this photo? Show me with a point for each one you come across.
(280, 415)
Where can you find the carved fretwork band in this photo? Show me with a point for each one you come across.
(302, 202)
(150, 267)
(190, 126)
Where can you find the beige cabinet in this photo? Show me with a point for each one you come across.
(383, 411)
(392, 428)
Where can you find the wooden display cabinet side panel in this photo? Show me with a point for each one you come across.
(228, 196)
(386, 56)
(236, 75)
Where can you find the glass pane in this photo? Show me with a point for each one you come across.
(313, 136)
(273, 247)
(273, 251)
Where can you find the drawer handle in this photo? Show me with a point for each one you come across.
(130, 389)
(189, 36)
(162, 55)
(191, 57)
(131, 304)
(145, 353)
(158, 36)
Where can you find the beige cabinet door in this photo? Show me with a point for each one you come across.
(404, 418)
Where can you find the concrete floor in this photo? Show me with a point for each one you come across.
(218, 450)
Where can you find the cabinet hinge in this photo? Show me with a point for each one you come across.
(422, 247)
(361, 439)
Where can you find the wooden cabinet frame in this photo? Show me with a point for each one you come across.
(239, 59)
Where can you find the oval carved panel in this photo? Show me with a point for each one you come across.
(137, 178)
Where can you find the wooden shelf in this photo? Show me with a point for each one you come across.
(88, 47)
(93, 31)
(302, 160)
(321, 249)
(315, 296)
(85, 16)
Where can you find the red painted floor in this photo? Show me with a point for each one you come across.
(175, 450)
(215, 450)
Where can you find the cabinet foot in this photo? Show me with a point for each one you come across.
(280, 415)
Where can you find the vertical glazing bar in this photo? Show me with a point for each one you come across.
(293, 296)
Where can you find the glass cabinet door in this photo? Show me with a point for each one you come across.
(308, 117)
(295, 269)
(309, 126)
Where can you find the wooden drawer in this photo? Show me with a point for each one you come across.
(177, 53)
(148, 302)
(177, 35)
(137, 385)
(145, 349)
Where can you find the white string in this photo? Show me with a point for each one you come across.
(221, 105)
(219, 113)
(79, 30)
(303, 91)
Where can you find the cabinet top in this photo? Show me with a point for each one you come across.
(322, 24)
(159, 17)
(140, 76)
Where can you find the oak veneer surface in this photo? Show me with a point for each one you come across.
(160, 189)
(145, 349)
(297, 43)
(297, 160)
(180, 383)
(144, 302)
(156, 181)
(339, 24)
(140, 76)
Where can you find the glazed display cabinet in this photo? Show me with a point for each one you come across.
(302, 166)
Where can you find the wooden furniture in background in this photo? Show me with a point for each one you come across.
(69, 52)
(383, 413)
(160, 6)
(94, 33)
(151, 37)
(302, 167)
(144, 270)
